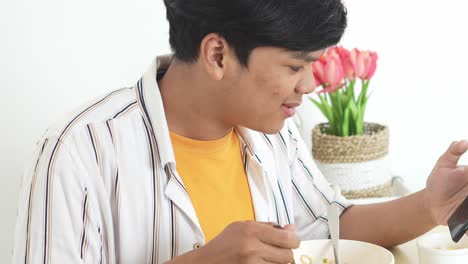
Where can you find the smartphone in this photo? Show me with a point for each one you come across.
(458, 221)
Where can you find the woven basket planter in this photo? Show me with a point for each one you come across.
(357, 164)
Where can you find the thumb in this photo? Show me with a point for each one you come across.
(454, 152)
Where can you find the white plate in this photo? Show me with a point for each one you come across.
(352, 252)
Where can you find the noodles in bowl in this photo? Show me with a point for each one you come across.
(352, 252)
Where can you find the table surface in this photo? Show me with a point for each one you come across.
(408, 253)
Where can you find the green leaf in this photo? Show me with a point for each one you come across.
(353, 116)
(345, 128)
(340, 101)
(320, 106)
(363, 94)
(353, 109)
(328, 109)
(337, 116)
(350, 89)
(360, 120)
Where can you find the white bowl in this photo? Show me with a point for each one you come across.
(438, 248)
(352, 252)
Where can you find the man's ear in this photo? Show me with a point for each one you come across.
(214, 52)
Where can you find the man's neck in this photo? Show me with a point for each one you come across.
(192, 105)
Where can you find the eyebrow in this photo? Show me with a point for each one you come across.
(302, 55)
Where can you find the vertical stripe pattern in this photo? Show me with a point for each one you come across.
(50, 173)
(30, 201)
(154, 252)
(124, 135)
(84, 236)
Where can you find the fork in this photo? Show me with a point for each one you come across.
(334, 226)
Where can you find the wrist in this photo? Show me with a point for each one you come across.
(427, 208)
(194, 256)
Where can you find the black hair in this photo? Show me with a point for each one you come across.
(295, 25)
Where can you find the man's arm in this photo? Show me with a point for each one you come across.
(392, 223)
(57, 222)
(388, 224)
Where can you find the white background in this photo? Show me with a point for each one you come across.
(55, 55)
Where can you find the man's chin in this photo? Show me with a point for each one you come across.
(269, 128)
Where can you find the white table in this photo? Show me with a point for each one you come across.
(408, 253)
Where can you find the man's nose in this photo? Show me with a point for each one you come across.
(307, 84)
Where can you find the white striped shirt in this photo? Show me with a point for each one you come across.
(103, 187)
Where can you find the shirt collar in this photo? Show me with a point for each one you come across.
(150, 99)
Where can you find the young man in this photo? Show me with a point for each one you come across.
(198, 161)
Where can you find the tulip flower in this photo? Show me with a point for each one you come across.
(336, 71)
(365, 63)
(328, 71)
(347, 63)
(372, 66)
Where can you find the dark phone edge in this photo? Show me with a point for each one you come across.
(457, 232)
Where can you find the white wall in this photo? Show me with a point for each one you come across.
(58, 54)
(419, 89)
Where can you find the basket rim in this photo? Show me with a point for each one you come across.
(381, 130)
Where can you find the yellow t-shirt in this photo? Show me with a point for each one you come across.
(214, 175)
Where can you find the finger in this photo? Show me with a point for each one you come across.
(272, 254)
(274, 224)
(269, 262)
(290, 227)
(279, 237)
(454, 152)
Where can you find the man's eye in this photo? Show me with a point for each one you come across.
(295, 68)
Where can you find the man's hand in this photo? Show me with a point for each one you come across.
(447, 186)
(250, 242)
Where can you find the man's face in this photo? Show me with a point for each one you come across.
(270, 89)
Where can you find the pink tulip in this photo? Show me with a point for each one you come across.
(318, 69)
(328, 71)
(372, 65)
(357, 59)
(365, 63)
(348, 65)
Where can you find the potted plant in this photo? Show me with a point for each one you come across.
(350, 152)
